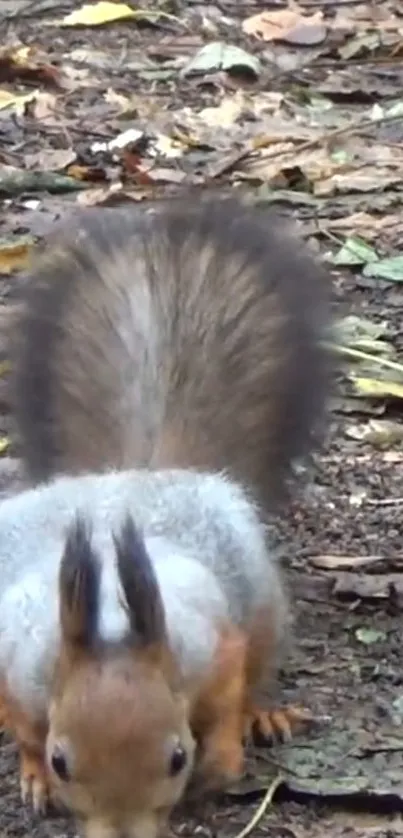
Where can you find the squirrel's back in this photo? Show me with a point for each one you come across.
(187, 338)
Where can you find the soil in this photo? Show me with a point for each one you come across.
(351, 507)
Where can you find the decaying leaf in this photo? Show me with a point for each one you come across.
(14, 254)
(359, 332)
(15, 100)
(287, 25)
(370, 586)
(380, 433)
(220, 56)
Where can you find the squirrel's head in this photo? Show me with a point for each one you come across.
(119, 748)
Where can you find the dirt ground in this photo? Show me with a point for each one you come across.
(346, 776)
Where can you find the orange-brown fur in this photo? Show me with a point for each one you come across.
(30, 735)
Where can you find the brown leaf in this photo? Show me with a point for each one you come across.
(26, 64)
(14, 255)
(332, 562)
(366, 586)
(50, 160)
(287, 25)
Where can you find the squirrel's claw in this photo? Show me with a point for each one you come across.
(34, 784)
(279, 723)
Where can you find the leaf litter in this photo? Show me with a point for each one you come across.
(299, 107)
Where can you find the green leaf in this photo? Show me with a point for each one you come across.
(391, 269)
(219, 56)
(355, 251)
(369, 636)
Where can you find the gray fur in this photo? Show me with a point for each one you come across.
(205, 540)
(190, 339)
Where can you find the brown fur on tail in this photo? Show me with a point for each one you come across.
(187, 338)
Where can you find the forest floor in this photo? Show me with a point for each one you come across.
(298, 107)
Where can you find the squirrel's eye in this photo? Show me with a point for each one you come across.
(178, 760)
(59, 765)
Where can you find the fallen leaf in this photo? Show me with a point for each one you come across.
(375, 389)
(369, 636)
(381, 433)
(390, 269)
(15, 100)
(369, 586)
(226, 113)
(354, 251)
(50, 160)
(44, 107)
(167, 147)
(287, 25)
(355, 331)
(102, 196)
(217, 55)
(14, 254)
(26, 64)
(95, 14)
(4, 444)
(86, 173)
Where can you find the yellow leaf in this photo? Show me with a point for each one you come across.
(373, 388)
(4, 443)
(5, 367)
(14, 256)
(95, 14)
(8, 100)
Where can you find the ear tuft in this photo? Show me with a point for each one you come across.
(140, 586)
(79, 579)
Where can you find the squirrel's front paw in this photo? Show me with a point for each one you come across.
(277, 723)
(34, 782)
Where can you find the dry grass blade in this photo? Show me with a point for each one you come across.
(359, 355)
(262, 808)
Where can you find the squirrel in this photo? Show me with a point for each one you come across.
(168, 369)
(139, 612)
(191, 337)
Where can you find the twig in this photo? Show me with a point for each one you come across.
(262, 808)
(384, 501)
(351, 128)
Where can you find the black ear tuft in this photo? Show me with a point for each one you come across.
(79, 579)
(140, 586)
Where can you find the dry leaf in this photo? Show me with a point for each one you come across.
(375, 389)
(27, 64)
(286, 25)
(334, 562)
(95, 14)
(15, 100)
(4, 444)
(50, 160)
(14, 255)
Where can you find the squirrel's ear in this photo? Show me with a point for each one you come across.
(140, 587)
(79, 578)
